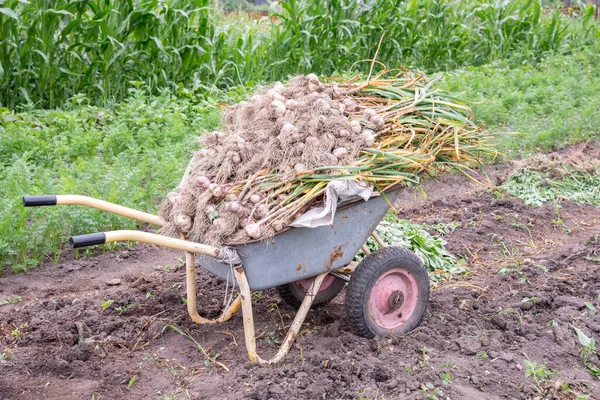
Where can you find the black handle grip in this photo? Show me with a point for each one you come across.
(92, 239)
(35, 201)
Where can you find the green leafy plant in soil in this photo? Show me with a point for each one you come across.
(588, 353)
(414, 237)
(536, 188)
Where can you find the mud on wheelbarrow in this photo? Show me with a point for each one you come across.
(387, 292)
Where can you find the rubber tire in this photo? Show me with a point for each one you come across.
(292, 295)
(363, 279)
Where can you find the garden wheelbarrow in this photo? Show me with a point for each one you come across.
(387, 292)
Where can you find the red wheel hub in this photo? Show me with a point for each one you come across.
(304, 284)
(393, 298)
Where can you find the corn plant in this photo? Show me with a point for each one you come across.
(51, 51)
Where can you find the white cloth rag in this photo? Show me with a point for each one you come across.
(336, 191)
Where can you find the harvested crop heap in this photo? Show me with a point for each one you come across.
(278, 151)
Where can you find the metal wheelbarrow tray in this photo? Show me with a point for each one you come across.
(387, 293)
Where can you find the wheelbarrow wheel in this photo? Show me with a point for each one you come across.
(293, 293)
(388, 293)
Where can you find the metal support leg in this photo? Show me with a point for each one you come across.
(190, 269)
(378, 239)
(249, 318)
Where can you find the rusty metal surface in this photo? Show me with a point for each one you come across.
(304, 252)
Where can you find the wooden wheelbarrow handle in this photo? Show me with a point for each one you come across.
(70, 199)
(144, 237)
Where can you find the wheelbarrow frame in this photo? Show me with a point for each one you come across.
(281, 260)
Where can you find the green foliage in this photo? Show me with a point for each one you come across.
(5, 358)
(538, 107)
(588, 352)
(132, 153)
(537, 372)
(430, 34)
(10, 300)
(54, 50)
(106, 304)
(430, 249)
(537, 188)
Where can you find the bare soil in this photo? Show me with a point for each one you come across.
(533, 274)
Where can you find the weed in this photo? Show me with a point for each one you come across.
(10, 300)
(424, 358)
(131, 381)
(209, 358)
(441, 228)
(518, 224)
(509, 310)
(272, 338)
(533, 300)
(429, 391)
(537, 188)
(538, 373)
(482, 355)
(588, 350)
(106, 304)
(446, 378)
(552, 323)
(122, 309)
(6, 357)
(19, 331)
(275, 307)
(258, 295)
(509, 267)
(498, 194)
(505, 250)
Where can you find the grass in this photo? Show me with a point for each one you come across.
(209, 358)
(132, 153)
(551, 104)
